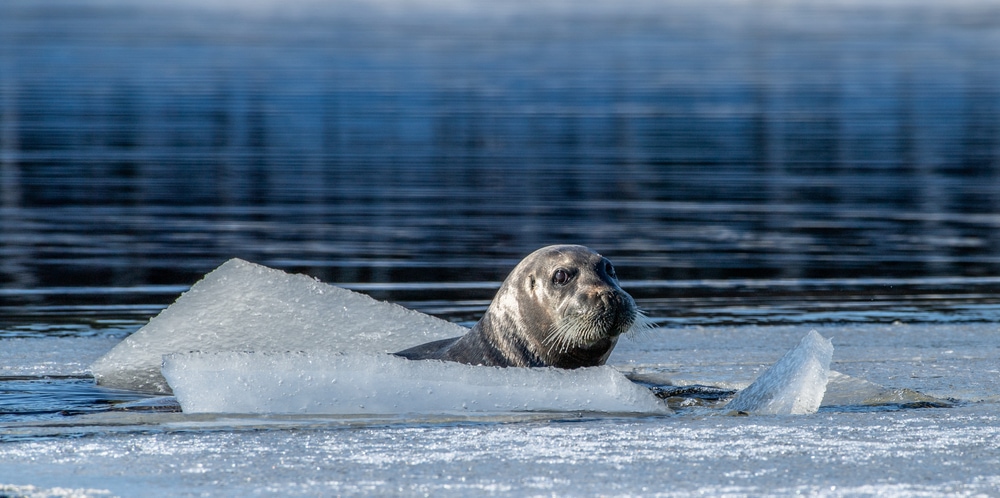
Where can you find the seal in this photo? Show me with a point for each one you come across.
(561, 306)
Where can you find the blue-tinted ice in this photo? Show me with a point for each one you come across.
(844, 452)
(242, 306)
(360, 383)
(795, 385)
(250, 339)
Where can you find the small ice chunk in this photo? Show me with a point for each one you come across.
(358, 383)
(242, 306)
(844, 390)
(795, 385)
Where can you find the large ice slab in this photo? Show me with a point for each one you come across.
(795, 385)
(242, 306)
(358, 383)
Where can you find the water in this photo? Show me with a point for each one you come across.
(753, 169)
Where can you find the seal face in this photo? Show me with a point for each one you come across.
(561, 306)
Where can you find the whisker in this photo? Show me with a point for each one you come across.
(641, 326)
(573, 331)
(557, 337)
(581, 330)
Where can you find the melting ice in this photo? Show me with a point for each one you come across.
(358, 383)
(795, 385)
(250, 339)
(242, 306)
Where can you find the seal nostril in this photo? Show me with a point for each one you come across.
(606, 299)
(609, 269)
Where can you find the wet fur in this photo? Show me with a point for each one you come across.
(532, 322)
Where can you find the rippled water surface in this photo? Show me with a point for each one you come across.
(743, 164)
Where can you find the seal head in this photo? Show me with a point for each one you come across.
(561, 306)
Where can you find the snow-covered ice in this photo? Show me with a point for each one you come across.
(51, 356)
(242, 306)
(906, 453)
(250, 339)
(895, 452)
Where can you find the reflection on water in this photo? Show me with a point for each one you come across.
(144, 145)
(53, 398)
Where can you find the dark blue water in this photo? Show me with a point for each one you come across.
(739, 162)
(742, 163)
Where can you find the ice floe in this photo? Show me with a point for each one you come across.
(251, 339)
(243, 306)
(358, 383)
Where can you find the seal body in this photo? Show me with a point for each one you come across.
(561, 306)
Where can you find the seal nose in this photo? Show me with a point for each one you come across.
(612, 300)
(617, 309)
(606, 270)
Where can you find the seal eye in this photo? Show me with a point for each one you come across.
(609, 269)
(560, 277)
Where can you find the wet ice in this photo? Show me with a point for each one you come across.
(795, 385)
(242, 306)
(357, 383)
(250, 339)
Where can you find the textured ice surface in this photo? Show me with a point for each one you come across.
(35, 492)
(933, 452)
(941, 360)
(50, 356)
(909, 452)
(242, 306)
(328, 383)
(843, 390)
(795, 385)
